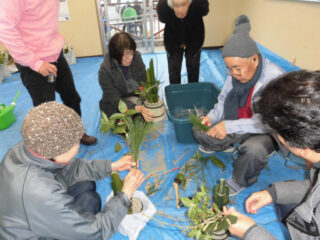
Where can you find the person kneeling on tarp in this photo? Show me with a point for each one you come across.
(47, 193)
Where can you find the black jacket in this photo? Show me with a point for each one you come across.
(112, 82)
(189, 30)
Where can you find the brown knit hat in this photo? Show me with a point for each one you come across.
(52, 129)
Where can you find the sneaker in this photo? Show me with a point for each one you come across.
(204, 150)
(234, 188)
(207, 151)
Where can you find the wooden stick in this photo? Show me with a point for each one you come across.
(176, 190)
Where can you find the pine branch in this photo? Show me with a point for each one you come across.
(196, 122)
(138, 130)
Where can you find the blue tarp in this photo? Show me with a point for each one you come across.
(161, 151)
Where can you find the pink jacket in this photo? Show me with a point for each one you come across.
(29, 30)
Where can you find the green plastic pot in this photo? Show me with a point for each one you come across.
(7, 117)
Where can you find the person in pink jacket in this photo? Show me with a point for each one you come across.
(29, 30)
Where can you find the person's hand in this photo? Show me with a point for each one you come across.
(132, 181)
(47, 68)
(124, 163)
(242, 225)
(206, 121)
(218, 131)
(258, 200)
(145, 113)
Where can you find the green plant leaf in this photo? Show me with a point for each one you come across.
(222, 225)
(198, 234)
(217, 162)
(199, 195)
(120, 124)
(203, 188)
(216, 208)
(192, 233)
(232, 218)
(117, 147)
(187, 202)
(104, 117)
(119, 130)
(198, 155)
(131, 112)
(192, 212)
(104, 128)
(122, 106)
(182, 178)
(116, 116)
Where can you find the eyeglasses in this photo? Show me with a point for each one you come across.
(230, 71)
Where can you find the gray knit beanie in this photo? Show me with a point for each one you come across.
(52, 129)
(171, 5)
(240, 44)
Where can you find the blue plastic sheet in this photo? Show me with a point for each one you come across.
(161, 151)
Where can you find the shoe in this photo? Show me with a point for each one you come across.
(234, 188)
(204, 150)
(207, 151)
(88, 140)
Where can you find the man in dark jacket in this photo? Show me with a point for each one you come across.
(294, 114)
(183, 33)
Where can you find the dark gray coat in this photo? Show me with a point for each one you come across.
(112, 82)
(305, 216)
(34, 203)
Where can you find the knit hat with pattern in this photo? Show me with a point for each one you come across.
(52, 129)
(240, 44)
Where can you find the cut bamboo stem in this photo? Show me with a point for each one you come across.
(176, 190)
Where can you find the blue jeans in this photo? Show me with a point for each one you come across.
(85, 196)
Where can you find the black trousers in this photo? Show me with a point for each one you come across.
(175, 63)
(42, 91)
(253, 153)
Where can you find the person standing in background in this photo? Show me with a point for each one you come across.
(29, 30)
(184, 33)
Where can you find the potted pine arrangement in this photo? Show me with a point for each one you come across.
(148, 92)
(208, 220)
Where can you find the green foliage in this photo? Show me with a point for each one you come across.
(138, 130)
(116, 122)
(4, 57)
(196, 122)
(205, 219)
(221, 193)
(182, 178)
(116, 183)
(117, 147)
(135, 130)
(148, 90)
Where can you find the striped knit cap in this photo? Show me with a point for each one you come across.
(52, 129)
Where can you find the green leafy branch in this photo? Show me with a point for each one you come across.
(135, 129)
(148, 90)
(206, 219)
(196, 122)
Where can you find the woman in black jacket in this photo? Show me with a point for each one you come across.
(120, 75)
(184, 32)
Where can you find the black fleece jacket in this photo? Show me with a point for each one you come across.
(189, 30)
